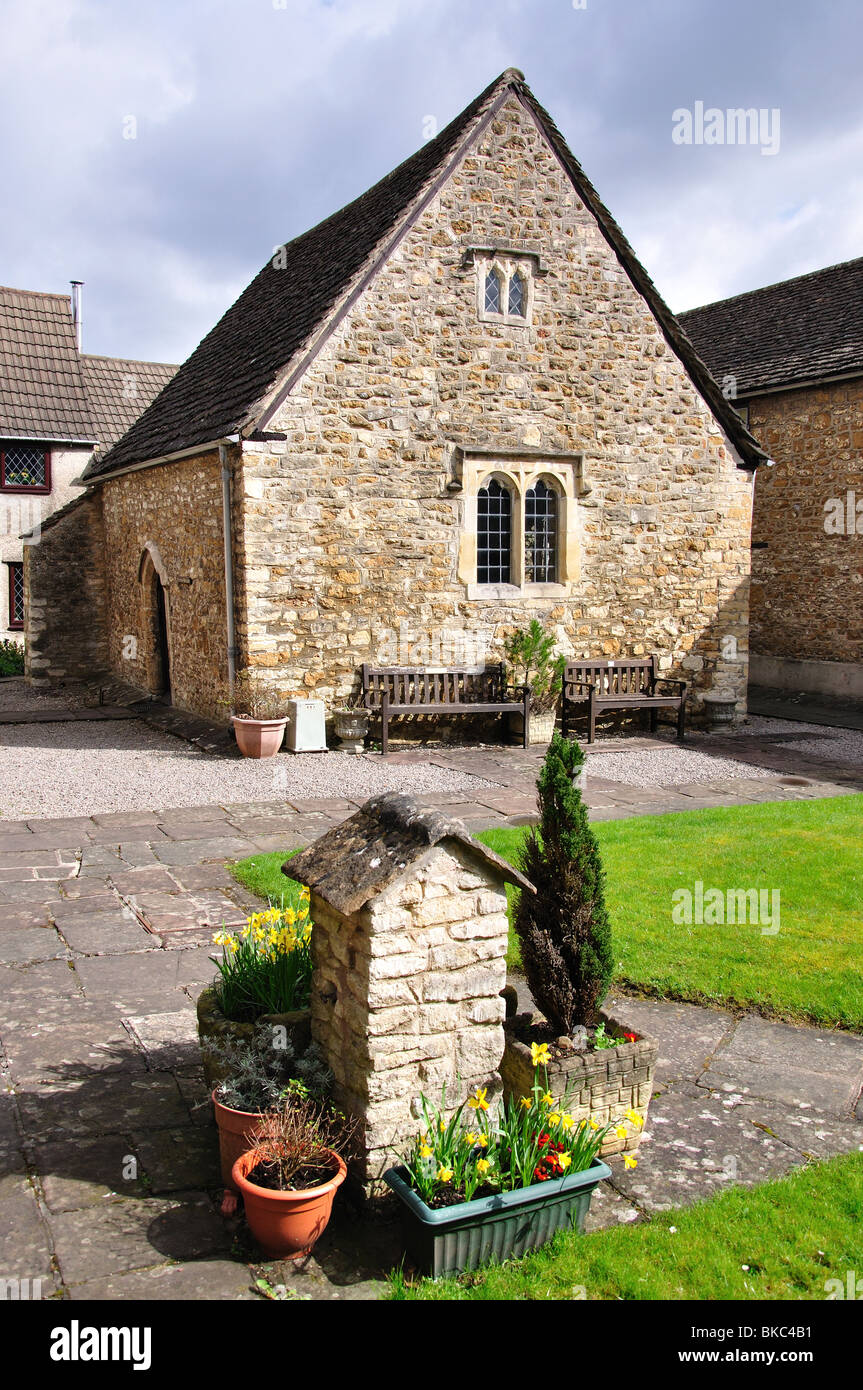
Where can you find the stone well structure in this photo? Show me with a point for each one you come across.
(409, 962)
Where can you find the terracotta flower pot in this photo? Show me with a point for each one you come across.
(238, 1132)
(286, 1225)
(258, 738)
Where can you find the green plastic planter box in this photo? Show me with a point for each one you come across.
(490, 1229)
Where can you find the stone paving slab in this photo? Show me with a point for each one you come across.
(687, 1035)
(130, 1234)
(25, 1245)
(137, 982)
(81, 1041)
(86, 1172)
(102, 1104)
(221, 1280)
(167, 1040)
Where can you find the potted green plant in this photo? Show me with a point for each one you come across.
(289, 1179)
(476, 1189)
(530, 655)
(567, 954)
(259, 724)
(258, 1075)
(264, 977)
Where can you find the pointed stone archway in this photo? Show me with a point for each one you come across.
(155, 622)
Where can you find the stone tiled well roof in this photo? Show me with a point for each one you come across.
(238, 373)
(42, 392)
(361, 857)
(799, 330)
(119, 391)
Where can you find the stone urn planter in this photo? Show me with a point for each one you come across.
(351, 727)
(720, 708)
(540, 730)
(212, 1023)
(286, 1225)
(258, 738)
(603, 1083)
(451, 1240)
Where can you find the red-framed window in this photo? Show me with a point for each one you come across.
(24, 467)
(16, 595)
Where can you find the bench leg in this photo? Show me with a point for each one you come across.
(654, 716)
(385, 725)
(591, 719)
(681, 720)
(526, 739)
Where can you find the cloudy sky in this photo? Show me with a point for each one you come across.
(160, 150)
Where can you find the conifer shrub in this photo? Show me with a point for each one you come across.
(563, 929)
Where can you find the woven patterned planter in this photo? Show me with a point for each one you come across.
(604, 1083)
(451, 1240)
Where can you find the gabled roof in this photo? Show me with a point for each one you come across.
(239, 373)
(805, 329)
(42, 393)
(118, 391)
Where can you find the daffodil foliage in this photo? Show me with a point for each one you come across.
(533, 1139)
(266, 968)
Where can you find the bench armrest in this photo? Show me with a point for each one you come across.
(667, 680)
(582, 685)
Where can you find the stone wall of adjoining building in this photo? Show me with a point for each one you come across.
(166, 522)
(357, 543)
(807, 584)
(65, 598)
(26, 512)
(406, 996)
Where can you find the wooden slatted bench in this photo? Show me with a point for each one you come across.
(630, 683)
(398, 690)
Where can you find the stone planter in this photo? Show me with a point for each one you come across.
(258, 738)
(213, 1024)
(720, 710)
(540, 730)
(351, 727)
(450, 1240)
(603, 1083)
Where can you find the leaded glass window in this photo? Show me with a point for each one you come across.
(24, 465)
(16, 595)
(516, 296)
(494, 533)
(540, 534)
(492, 292)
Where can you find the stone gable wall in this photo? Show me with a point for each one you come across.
(65, 599)
(178, 508)
(350, 534)
(807, 585)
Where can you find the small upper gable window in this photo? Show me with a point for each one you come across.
(505, 290)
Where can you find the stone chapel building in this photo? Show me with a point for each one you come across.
(454, 405)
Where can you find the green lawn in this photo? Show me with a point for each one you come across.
(782, 1240)
(808, 850)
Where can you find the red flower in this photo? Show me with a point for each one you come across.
(631, 1037)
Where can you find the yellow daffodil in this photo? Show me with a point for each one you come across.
(593, 1123)
(425, 1151)
(526, 1102)
(620, 1131)
(566, 1121)
(564, 1160)
(547, 1099)
(441, 1126)
(634, 1118)
(482, 1165)
(470, 1139)
(554, 1117)
(444, 1174)
(478, 1099)
(629, 1161)
(482, 1140)
(539, 1054)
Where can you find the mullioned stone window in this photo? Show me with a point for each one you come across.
(504, 289)
(521, 525)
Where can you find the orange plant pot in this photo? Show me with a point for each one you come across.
(286, 1225)
(238, 1132)
(259, 738)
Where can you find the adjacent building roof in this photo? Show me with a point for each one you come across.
(42, 392)
(239, 373)
(358, 859)
(118, 391)
(806, 329)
